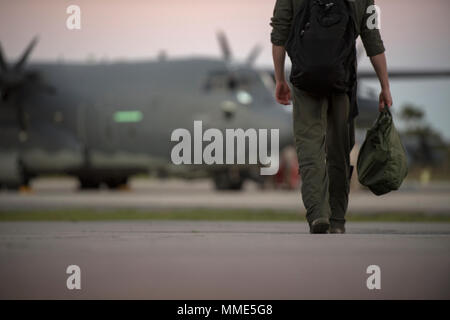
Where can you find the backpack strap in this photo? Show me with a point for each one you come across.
(352, 13)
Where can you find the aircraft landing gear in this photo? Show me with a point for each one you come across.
(16, 186)
(228, 180)
(116, 182)
(94, 183)
(14, 175)
(88, 183)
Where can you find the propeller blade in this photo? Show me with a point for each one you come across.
(19, 65)
(3, 65)
(224, 45)
(254, 54)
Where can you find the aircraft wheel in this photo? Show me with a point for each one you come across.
(237, 185)
(12, 186)
(224, 181)
(23, 180)
(115, 183)
(88, 184)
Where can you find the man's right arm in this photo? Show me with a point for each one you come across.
(281, 26)
(282, 91)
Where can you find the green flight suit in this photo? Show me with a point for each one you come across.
(324, 126)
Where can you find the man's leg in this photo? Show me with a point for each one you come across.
(310, 122)
(340, 140)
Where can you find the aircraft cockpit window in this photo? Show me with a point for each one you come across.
(226, 81)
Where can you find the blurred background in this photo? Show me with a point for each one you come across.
(86, 115)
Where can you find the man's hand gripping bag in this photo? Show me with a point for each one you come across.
(382, 164)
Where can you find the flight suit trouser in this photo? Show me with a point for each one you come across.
(324, 136)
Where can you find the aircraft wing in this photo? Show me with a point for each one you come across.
(407, 74)
(397, 74)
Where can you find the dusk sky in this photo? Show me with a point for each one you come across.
(416, 34)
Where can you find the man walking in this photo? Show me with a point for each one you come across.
(324, 124)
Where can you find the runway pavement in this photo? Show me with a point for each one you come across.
(223, 260)
(175, 194)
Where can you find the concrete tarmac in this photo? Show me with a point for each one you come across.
(176, 194)
(223, 260)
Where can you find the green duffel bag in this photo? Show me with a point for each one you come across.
(382, 164)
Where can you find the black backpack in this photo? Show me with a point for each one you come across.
(321, 46)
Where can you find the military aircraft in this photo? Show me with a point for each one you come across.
(104, 122)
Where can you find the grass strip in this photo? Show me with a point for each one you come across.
(203, 214)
